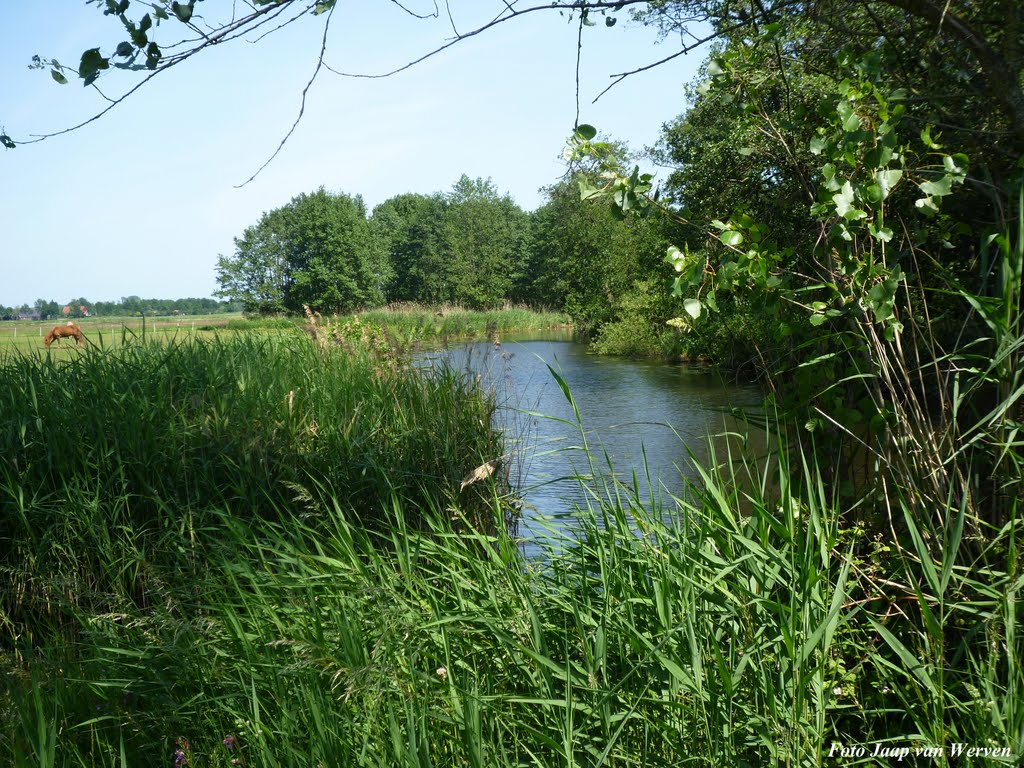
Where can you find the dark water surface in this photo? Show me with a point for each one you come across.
(637, 413)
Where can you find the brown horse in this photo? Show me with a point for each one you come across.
(63, 332)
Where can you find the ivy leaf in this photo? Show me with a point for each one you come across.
(881, 299)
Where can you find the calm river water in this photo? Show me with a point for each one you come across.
(635, 412)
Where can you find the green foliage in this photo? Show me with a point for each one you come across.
(487, 244)
(411, 228)
(741, 626)
(638, 329)
(247, 423)
(589, 260)
(317, 251)
(468, 247)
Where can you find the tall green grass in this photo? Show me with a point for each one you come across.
(747, 624)
(430, 324)
(108, 452)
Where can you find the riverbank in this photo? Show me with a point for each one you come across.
(274, 551)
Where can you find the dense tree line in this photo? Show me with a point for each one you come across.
(127, 306)
(471, 246)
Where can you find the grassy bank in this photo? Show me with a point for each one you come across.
(259, 550)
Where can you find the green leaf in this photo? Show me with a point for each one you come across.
(887, 180)
(879, 157)
(183, 11)
(745, 151)
(910, 664)
(956, 164)
(56, 75)
(850, 119)
(844, 203)
(939, 188)
(880, 233)
(153, 55)
(817, 320)
(610, 21)
(927, 206)
(587, 190)
(7, 141)
(927, 140)
(124, 49)
(817, 145)
(585, 132)
(91, 65)
(692, 307)
(731, 238)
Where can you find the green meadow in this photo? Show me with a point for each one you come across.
(402, 325)
(112, 331)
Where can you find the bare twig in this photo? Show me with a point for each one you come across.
(302, 106)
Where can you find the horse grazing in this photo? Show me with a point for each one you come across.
(63, 332)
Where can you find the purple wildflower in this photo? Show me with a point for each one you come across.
(182, 752)
(229, 741)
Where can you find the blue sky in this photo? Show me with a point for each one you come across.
(142, 201)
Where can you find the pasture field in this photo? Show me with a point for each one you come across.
(401, 326)
(112, 331)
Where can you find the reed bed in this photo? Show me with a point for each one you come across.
(331, 617)
(421, 323)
